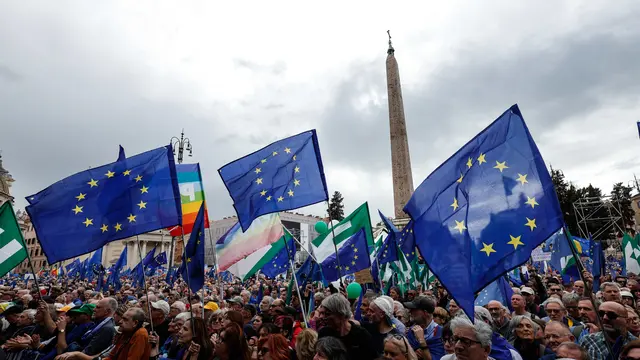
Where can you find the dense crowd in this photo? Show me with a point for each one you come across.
(263, 319)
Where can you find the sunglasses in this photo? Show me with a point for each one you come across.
(610, 314)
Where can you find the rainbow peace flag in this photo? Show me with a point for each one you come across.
(191, 197)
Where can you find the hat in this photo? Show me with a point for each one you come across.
(211, 306)
(66, 308)
(236, 299)
(161, 305)
(626, 293)
(12, 310)
(421, 303)
(86, 309)
(527, 291)
(58, 306)
(385, 305)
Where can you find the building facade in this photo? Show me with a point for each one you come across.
(5, 184)
(33, 246)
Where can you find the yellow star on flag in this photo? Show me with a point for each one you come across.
(355, 257)
(296, 182)
(142, 205)
(455, 204)
(138, 178)
(269, 198)
(460, 226)
(355, 250)
(501, 165)
(259, 181)
(104, 228)
(188, 260)
(522, 179)
(88, 222)
(126, 172)
(81, 196)
(460, 179)
(263, 161)
(132, 218)
(93, 183)
(515, 241)
(275, 153)
(531, 223)
(294, 157)
(297, 169)
(77, 209)
(144, 189)
(287, 150)
(481, 159)
(280, 198)
(258, 170)
(469, 163)
(118, 227)
(263, 192)
(110, 174)
(290, 192)
(488, 249)
(532, 201)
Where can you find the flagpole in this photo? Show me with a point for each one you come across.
(144, 280)
(335, 247)
(295, 278)
(186, 267)
(215, 259)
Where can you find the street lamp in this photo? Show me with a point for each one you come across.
(182, 144)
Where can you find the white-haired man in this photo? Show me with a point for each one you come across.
(470, 341)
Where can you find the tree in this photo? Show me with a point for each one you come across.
(621, 199)
(336, 208)
(568, 194)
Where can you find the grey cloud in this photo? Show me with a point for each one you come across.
(277, 68)
(8, 75)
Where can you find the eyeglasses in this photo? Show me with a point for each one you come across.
(465, 342)
(554, 289)
(554, 311)
(610, 314)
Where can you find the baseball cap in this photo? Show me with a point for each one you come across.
(86, 309)
(162, 306)
(421, 303)
(528, 291)
(211, 306)
(236, 299)
(626, 294)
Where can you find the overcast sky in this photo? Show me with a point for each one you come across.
(78, 78)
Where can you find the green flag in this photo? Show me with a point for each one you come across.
(323, 245)
(250, 265)
(631, 250)
(12, 249)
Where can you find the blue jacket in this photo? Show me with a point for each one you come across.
(433, 336)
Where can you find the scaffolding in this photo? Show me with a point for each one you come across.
(600, 218)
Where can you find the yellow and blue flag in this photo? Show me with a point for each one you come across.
(87, 210)
(353, 256)
(388, 251)
(285, 175)
(192, 268)
(482, 212)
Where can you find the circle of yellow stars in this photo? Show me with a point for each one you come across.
(501, 166)
(260, 180)
(95, 183)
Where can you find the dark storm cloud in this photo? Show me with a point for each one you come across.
(554, 83)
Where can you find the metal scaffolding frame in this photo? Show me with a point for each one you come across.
(588, 211)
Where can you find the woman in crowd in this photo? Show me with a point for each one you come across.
(330, 348)
(194, 342)
(276, 347)
(306, 344)
(523, 338)
(396, 347)
(232, 344)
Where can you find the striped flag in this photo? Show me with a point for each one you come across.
(191, 197)
(12, 249)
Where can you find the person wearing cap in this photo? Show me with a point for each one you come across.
(160, 319)
(177, 307)
(530, 298)
(426, 334)
(627, 298)
(334, 317)
(380, 326)
(210, 308)
(81, 319)
(99, 336)
(235, 303)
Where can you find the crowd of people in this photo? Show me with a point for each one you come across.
(545, 318)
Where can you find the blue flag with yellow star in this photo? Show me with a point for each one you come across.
(482, 212)
(280, 262)
(388, 251)
(353, 256)
(285, 175)
(193, 272)
(89, 209)
(407, 242)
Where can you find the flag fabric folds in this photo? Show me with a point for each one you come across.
(93, 263)
(191, 197)
(353, 256)
(388, 252)
(114, 277)
(309, 271)
(279, 262)
(12, 248)
(484, 210)
(323, 245)
(562, 258)
(235, 245)
(631, 250)
(193, 271)
(499, 290)
(271, 260)
(285, 175)
(87, 210)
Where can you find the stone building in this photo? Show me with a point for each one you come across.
(5, 184)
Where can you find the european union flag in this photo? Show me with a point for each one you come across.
(280, 262)
(499, 290)
(114, 277)
(562, 258)
(309, 271)
(87, 210)
(193, 272)
(388, 251)
(285, 175)
(159, 260)
(407, 242)
(353, 256)
(472, 221)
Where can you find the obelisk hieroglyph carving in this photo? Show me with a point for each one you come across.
(400, 159)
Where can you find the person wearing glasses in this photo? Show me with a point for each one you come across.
(556, 333)
(633, 321)
(614, 332)
(471, 341)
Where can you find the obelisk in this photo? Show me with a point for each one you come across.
(400, 159)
